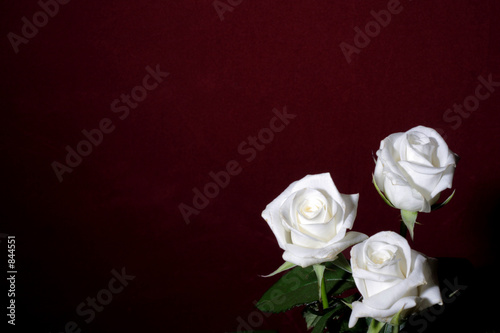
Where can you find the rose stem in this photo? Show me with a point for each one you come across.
(323, 294)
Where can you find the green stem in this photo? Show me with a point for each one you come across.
(324, 297)
(320, 270)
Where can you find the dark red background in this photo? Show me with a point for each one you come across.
(120, 206)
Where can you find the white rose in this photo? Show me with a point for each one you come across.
(310, 220)
(413, 168)
(391, 276)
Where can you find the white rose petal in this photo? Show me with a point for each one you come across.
(391, 276)
(310, 220)
(361, 310)
(413, 168)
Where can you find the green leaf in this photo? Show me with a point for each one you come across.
(300, 286)
(409, 219)
(437, 206)
(286, 266)
(387, 201)
(321, 324)
(375, 326)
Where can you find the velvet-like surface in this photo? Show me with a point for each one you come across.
(257, 97)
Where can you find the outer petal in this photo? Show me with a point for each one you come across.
(423, 178)
(361, 310)
(349, 215)
(351, 209)
(391, 153)
(272, 216)
(445, 181)
(403, 196)
(430, 292)
(304, 261)
(305, 256)
(378, 174)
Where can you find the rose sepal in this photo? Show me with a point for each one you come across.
(441, 205)
(409, 220)
(396, 320)
(394, 324)
(375, 326)
(286, 266)
(387, 201)
(342, 263)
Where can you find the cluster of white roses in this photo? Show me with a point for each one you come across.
(311, 219)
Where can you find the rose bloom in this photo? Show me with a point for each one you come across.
(413, 168)
(310, 220)
(391, 277)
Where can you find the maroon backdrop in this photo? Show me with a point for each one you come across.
(116, 113)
